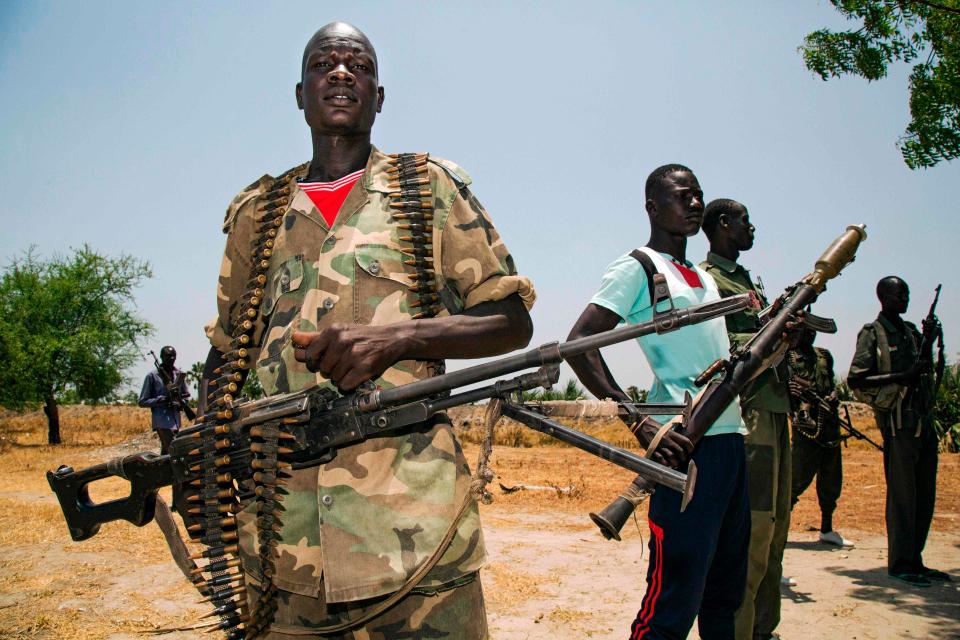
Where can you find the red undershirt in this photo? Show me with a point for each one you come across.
(328, 197)
(690, 275)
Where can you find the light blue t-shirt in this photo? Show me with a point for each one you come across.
(678, 357)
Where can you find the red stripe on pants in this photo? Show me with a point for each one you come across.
(641, 625)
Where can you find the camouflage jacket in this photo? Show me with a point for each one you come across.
(769, 390)
(367, 519)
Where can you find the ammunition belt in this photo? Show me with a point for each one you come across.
(411, 202)
(216, 495)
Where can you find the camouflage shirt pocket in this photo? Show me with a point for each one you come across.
(288, 277)
(381, 285)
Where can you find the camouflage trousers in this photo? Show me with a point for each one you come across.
(455, 612)
(768, 471)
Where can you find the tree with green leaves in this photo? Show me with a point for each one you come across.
(68, 329)
(921, 31)
(196, 375)
(636, 394)
(252, 387)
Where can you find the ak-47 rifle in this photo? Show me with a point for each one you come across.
(173, 389)
(827, 409)
(932, 332)
(725, 379)
(847, 425)
(259, 440)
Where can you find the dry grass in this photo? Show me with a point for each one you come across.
(51, 587)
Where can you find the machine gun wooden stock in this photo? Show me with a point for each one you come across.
(723, 381)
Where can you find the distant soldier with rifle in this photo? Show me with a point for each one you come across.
(765, 405)
(697, 557)
(816, 431)
(893, 370)
(165, 392)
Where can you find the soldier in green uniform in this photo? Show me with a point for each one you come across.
(359, 293)
(887, 373)
(765, 406)
(816, 431)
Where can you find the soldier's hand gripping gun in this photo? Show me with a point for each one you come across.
(725, 379)
(173, 389)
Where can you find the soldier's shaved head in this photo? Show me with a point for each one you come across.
(890, 285)
(339, 32)
(893, 294)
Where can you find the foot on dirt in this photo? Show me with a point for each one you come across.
(935, 575)
(837, 540)
(912, 579)
(787, 581)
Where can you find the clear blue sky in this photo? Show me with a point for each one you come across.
(131, 125)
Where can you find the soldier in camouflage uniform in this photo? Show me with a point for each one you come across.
(338, 310)
(816, 432)
(765, 406)
(887, 373)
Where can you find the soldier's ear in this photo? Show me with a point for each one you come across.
(651, 207)
(379, 99)
(722, 220)
(299, 92)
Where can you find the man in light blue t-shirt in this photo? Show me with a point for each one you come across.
(698, 557)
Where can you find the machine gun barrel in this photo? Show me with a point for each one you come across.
(551, 353)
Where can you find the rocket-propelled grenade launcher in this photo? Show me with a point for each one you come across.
(725, 379)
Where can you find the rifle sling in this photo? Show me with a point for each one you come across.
(178, 549)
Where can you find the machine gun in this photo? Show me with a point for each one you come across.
(725, 379)
(173, 389)
(237, 445)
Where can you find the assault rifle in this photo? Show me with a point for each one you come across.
(723, 381)
(315, 422)
(828, 408)
(932, 332)
(173, 389)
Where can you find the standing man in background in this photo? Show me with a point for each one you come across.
(891, 373)
(165, 402)
(765, 407)
(816, 431)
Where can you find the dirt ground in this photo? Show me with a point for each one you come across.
(551, 574)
